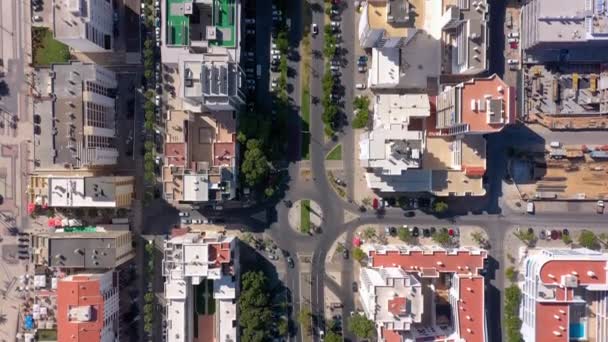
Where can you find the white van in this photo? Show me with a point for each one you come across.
(555, 144)
(360, 86)
(530, 207)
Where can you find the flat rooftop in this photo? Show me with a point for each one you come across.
(404, 13)
(197, 21)
(82, 191)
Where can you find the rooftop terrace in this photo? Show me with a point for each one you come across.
(188, 20)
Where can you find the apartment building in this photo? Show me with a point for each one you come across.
(80, 133)
(200, 157)
(465, 37)
(564, 30)
(201, 287)
(88, 307)
(78, 248)
(391, 152)
(477, 106)
(59, 191)
(564, 295)
(424, 294)
(85, 26)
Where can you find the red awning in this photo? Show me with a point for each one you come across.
(474, 171)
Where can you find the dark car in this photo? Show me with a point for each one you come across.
(433, 230)
(565, 232)
(426, 232)
(410, 214)
(530, 230)
(393, 231)
(554, 234)
(542, 235)
(415, 232)
(290, 262)
(345, 253)
(355, 286)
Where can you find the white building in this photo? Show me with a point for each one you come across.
(192, 262)
(466, 35)
(565, 296)
(211, 82)
(81, 191)
(88, 308)
(565, 29)
(392, 148)
(80, 133)
(86, 26)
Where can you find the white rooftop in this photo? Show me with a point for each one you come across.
(82, 192)
(196, 188)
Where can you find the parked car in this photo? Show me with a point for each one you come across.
(315, 29)
(360, 86)
(290, 262)
(197, 221)
(542, 235)
(345, 253)
(548, 234)
(186, 220)
(184, 214)
(415, 232)
(426, 232)
(355, 286)
(37, 18)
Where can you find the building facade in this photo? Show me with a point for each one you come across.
(86, 26)
(194, 263)
(564, 295)
(88, 308)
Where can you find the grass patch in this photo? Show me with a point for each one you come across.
(46, 49)
(305, 216)
(305, 144)
(335, 153)
(46, 335)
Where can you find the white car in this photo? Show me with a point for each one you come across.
(360, 86)
(274, 83)
(37, 18)
(157, 100)
(512, 40)
(315, 29)
(197, 221)
(184, 214)
(513, 61)
(250, 21)
(514, 35)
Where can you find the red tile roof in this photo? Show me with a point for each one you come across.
(588, 272)
(176, 154)
(470, 308)
(223, 153)
(461, 262)
(552, 318)
(429, 264)
(71, 293)
(397, 306)
(390, 335)
(477, 89)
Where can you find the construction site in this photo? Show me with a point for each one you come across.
(563, 173)
(566, 96)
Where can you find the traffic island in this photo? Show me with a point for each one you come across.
(305, 216)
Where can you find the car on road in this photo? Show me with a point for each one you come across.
(345, 254)
(186, 220)
(512, 61)
(361, 68)
(360, 86)
(548, 234)
(600, 207)
(409, 214)
(37, 18)
(250, 21)
(184, 214)
(290, 262)
(355, 286)
(274, 83)
(197, 221)
(157, 100)
(315, 29)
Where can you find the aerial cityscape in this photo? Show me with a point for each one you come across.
(304, 170)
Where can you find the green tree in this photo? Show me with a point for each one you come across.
(148, 309)
(149, 297)
(588, 240)
(405, 236)
(512, 322)
(361, 119)
(332, 337)
(511, 273)
(440, 207)
(255, 165)
(566, 239)
(305, 319)
(269, 191)
(254, 304)
(442, 237)
(358, 254)
(369, 233)
(283, 326)
(282, 42)
(148, 327)
(361, 326)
